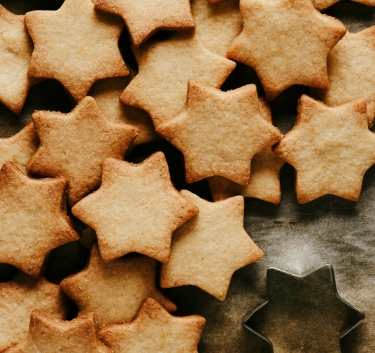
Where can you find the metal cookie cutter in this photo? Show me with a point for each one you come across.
(302, 314)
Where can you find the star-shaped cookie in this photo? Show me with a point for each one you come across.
(15, 50)
(165, 68)
(33, 219)
(114, 291)
(19, 298)
(219, 132)
(74, 146)
(143, 18)
(323, 4)
(351, 71)
(330, 147)
(155, 330)
(208, 249)
(20, 147)
(300, 57)
(75, 45)
(136, 209)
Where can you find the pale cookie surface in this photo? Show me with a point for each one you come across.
(74, 146)
(155, 330)
(217, 25)
(115, 290)
(15, 50)
(107, 95)
(208, 249)
(323, 4)
(351, 70)
(165, 68)
(264, 174)
(300, 57)
(219, 132)
(143, 18)
(26, 207)
(330, 147)
(75, 45)
(20, 147)
(136, 209)
(19, 298)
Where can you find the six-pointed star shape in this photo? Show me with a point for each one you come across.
(219, 132)
(155, 330)
(143, 18)
(15, 50)
(114, 291)
(330, 147)
(33, 219)
(29, 294)
(208, 249)
(136, 209)
(75, 45)
(300, 57)
(303, 311)
(165, 68)
(74, 146)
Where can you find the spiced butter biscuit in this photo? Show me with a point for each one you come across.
(208, 249)
(33, 219)
(75, 45)
(300, 57)
(330, 147)
(143, 18)
(136, 209)
(115, 290)
(155, 330)
(74, 146)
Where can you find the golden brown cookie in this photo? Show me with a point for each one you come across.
(219, 132)
(208, 249)
(33, 219)
(144, 18)
(366, 2)
(20, 147)
(75, 45)
(351, 70)
(15, 50)
(155, 330)
(74, 146)
(107, 95)
(323, 4)
(330, 147)
(136, 209)
(292, 52)
(115, 290)
(264, 173)
(19, 298)
(165, 67)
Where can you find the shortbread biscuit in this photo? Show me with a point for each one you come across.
(19, 298)
(75, 45)
(144, 18)
(15, 50)
(217, 25)
(264, 178)
(107, 95)
(208, 249)
(351, 71)
(20, 147)
(114, 291)
(74, 146)
(330, 147)
(219, 132)
(323, 4)
(155, 330)
(165, 67)
(300, 57)
(136, 209)
(33, 219)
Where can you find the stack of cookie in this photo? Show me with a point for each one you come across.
(64, 178)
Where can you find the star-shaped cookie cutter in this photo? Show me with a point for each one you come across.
(302, 313)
